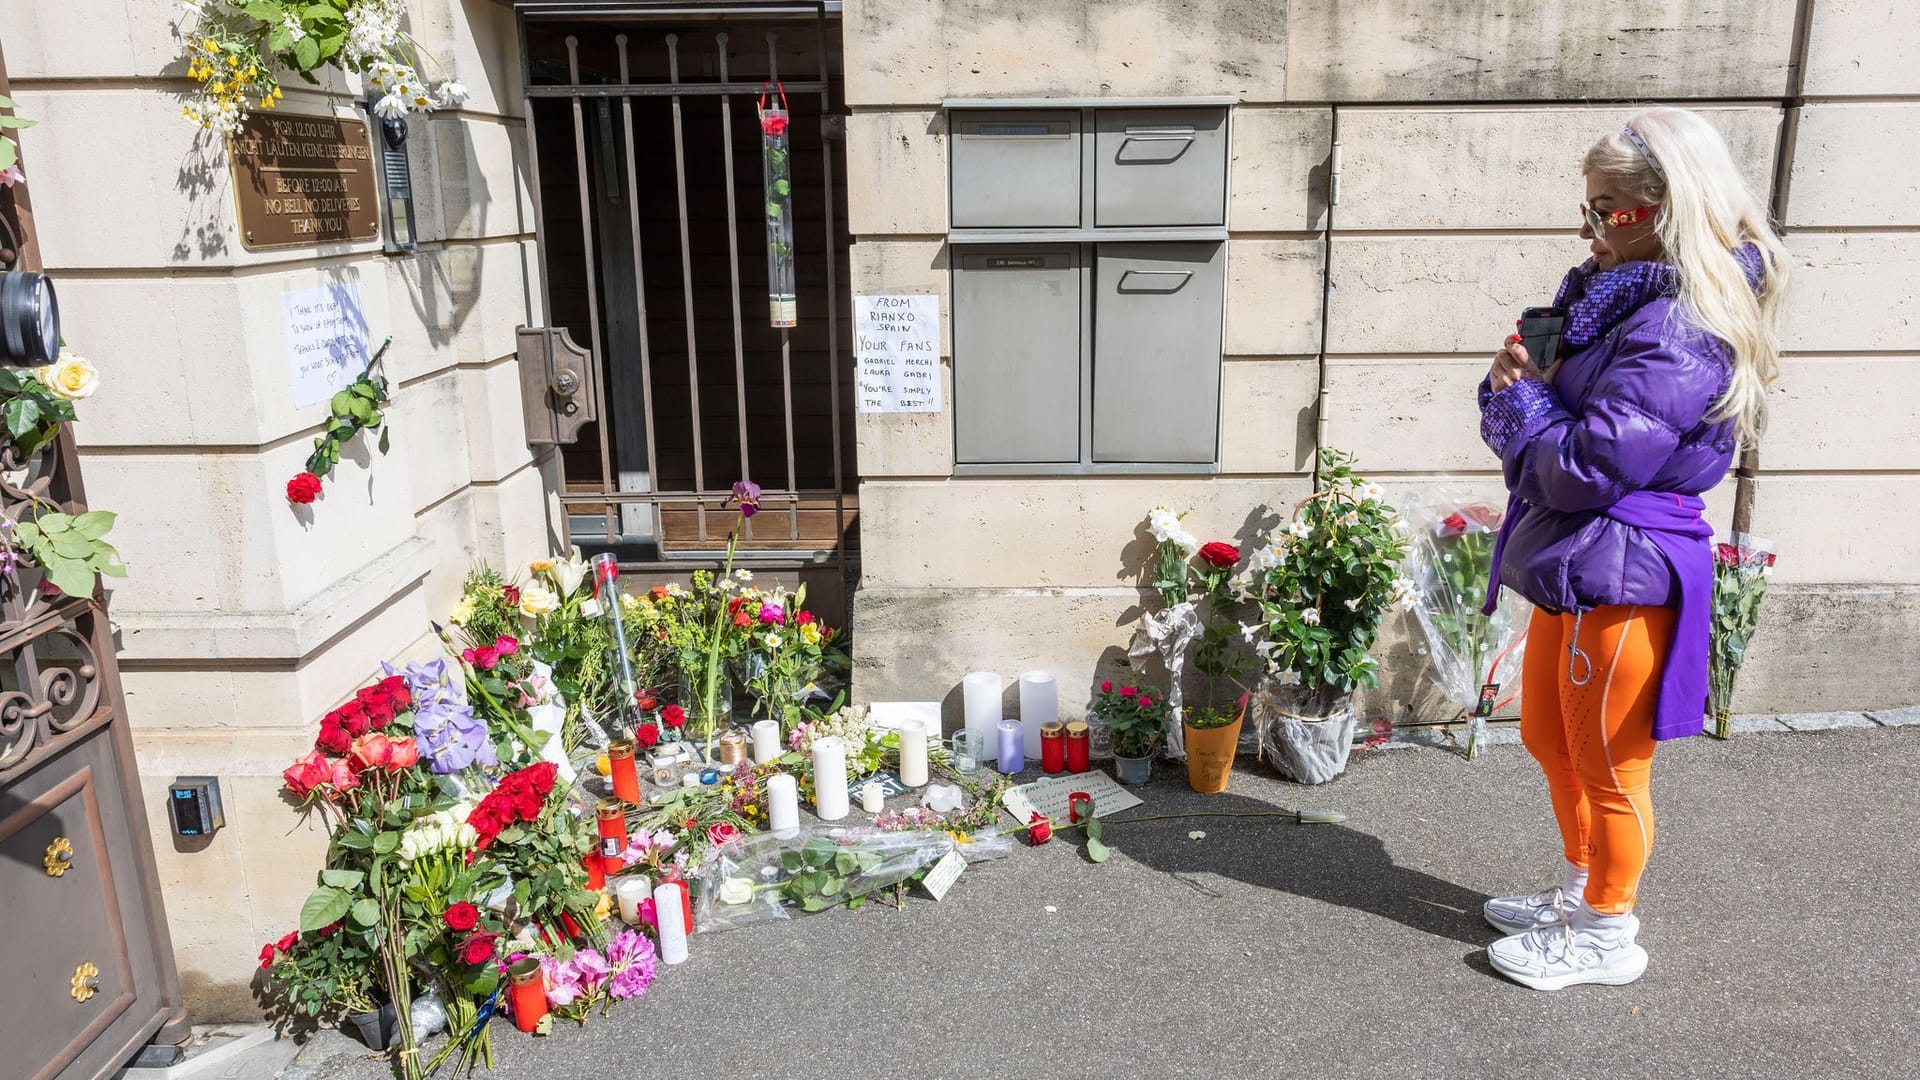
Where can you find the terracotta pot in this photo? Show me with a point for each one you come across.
(1210, 753)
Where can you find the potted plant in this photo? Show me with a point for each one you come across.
(1212, 732)
(1321, 585)
(1136, 720)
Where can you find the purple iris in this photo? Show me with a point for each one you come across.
(747, 494)
(451, 737)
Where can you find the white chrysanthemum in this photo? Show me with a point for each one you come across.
(390, 107)
(1310, 616)
(451, 93)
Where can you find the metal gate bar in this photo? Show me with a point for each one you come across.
(593, 310)
(686, 279)
(733, 267)
(658, 526)
(833, 296)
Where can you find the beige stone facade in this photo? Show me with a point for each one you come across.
(1461, 126)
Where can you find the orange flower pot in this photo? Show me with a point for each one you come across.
(1210, 753)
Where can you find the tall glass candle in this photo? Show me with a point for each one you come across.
(1039, 706)
(766, 741)
(1079, 747)
(1053, 749)
(628, 894)
(527, 992)
(913, 752)
(783, 805)
(669, 910)
(626, 777)
(982, 692)
(611, 818)
(1011, 758)
(830, 778)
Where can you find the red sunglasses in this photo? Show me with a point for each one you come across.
(1601, 222)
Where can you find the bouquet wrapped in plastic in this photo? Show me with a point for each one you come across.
(1475, 658)
(1740, 572)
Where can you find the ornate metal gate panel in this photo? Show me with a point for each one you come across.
(89, 964)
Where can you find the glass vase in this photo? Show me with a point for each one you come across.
(777, 177)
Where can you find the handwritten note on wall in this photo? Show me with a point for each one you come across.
(326, 340)
(896, 344)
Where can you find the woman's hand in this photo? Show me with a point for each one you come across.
(1510, 365)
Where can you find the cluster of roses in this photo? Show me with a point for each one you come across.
(1472, 519)
(1131, 692)
(488, 657)
(519, 796)
(286, 944)
(673, 717)
(351, 741)
(477, 947)
(1741, 555)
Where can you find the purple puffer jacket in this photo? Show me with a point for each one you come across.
(1623, 414)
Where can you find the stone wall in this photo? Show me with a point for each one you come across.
(244, 620)
(1462, 126)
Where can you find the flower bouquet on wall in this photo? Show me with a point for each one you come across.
(1321, 586)
(1740, 573)
(1473, 658)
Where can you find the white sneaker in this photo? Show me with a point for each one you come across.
(1520, 914)
(1586, 948)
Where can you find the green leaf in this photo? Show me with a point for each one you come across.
(356, 841)
(22, 414)
(386, 843)
(342, 404)
(16, 122)
(7, 102)
(343, 879)
(94, 524)
(279, 39)
(1097, 851)
(324, 907)
(366, 911)
(267, 11)
(74, 579)
(306, 53)
(385, 441)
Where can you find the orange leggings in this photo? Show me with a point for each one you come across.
(1594, 739)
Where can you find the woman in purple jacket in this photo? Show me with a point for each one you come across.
(1669, 349)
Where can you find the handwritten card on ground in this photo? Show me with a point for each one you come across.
(943, 875)
(326, 340)
(1049, 796)
(896, 350)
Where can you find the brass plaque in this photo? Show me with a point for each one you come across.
(301, 180)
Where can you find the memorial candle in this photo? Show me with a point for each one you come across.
(830, 778)
(983, 692)
(783, 805)
(766, 741)
(669, 912)
(1053, 749)
(611, 819)
(1039, 706)
(873, 798)
(1011, 758)
(629, 894)
(528, 993)
(1079, 747)
(626, 777)
(913, 752)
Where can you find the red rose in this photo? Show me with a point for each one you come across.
(805, 618)
(406, 753)
(740, 618)
(371, 751)
(369, 695)
(673, 716)
(1726, 555)
(1219, 555)
(266, 951)
(330, 929)
(1039, 829)
(506, 646)
(774, 123)
(307, 773)
(379, 715)
(527, 805)
(648, 736)
(1146, 702)
(512, 595)
(287, 942)
(721, 833)
(334, 738)
(645, 701)
(462, 917)
(303, 488)
(353, 717)
(1129, 691)
(478, 949)
(541, 776)
(1453, 525)
(397, 691)
(1107, 687)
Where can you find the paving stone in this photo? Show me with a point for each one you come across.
(1825, 721)
(1906, 717)
(1744, 724)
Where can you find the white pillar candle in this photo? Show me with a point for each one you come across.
(1039, 705)
(913, 752)
(628, 894)
(783, 805)
(830, 778)
(873, 798)
(766, 741)
(982, 691)
(672, 920)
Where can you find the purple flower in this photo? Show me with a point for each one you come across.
(451, 737)
(773, 613)
(590, 968)
(747, 494)
(631, 956)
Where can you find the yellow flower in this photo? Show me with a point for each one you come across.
(810, 633)
(462, 611)
(209, 44)
(540, 566)
(71, 377)
(233, 62)
(218, 88)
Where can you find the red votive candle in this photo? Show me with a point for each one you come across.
(1079, 747)
(626, 777)
(528, 992)
(1053, 748)
(611, 815)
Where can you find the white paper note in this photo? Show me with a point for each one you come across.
(1049, 796)
(326, 340)
(896, 350)
(943, 875)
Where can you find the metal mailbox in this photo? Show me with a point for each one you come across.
(1156, 347)
(1016, 169)
(1160, 167)
(1016, 349)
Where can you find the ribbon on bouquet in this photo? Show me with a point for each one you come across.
(1169, 636)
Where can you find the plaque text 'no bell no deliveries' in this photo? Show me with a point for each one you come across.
(303, 180)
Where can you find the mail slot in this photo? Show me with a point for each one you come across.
(1016, 354)
(1160, 167)
(1016, 169)
(1156, 351)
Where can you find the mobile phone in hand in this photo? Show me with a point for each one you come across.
(1540, 332)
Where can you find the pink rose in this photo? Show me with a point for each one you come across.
(307, 773)
(406, 753)
(506, 646)
(721, 833)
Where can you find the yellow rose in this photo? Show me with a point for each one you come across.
(462, 611)
(541, 566)
(538, 600)
(72, 377)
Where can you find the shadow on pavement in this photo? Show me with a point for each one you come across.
(1335, 864)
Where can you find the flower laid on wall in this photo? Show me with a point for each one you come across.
(68, 549)
(234, 46)
(355, 409)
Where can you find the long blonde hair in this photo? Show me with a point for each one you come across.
(1706, 212)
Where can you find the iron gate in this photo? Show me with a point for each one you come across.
(660, 381)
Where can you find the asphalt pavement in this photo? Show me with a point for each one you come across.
(1777, 913)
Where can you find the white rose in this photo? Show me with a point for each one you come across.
(538, 600)
(71, 377)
